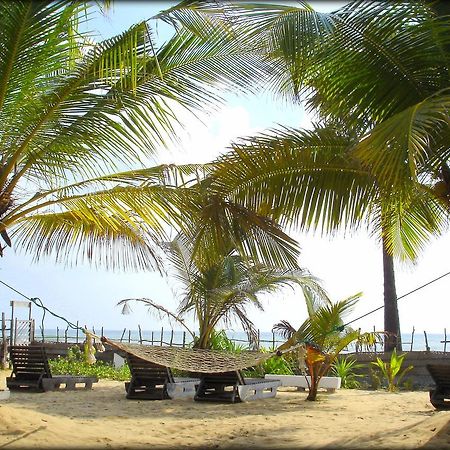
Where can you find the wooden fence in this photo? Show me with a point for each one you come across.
(183, 339)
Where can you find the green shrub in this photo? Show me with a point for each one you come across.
(74, 364)
(279, 365)
(345, 369)
(392, 370)
(374, 378)
(220, 341)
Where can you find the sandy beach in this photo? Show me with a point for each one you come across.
(104, 418)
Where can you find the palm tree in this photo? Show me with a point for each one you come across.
(77, 120)
(220, 292)
(325, 336)
(392, 140)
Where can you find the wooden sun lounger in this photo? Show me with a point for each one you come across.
(440, 396)
(150, 381)
(233, 387)
(31, 371)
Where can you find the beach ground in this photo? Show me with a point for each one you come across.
(104, 418)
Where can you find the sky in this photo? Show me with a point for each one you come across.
(345, 264)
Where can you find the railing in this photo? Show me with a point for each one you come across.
(171, 337)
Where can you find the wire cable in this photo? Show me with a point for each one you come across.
(398, 298)
(38, 302)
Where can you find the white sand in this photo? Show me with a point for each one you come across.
(104, 418)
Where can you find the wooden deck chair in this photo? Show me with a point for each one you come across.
(31, 371)
(150, 381)
(233, 387)
(440, 396)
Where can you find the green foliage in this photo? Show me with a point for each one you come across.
(374, 378)
(326, 331)
(345, 369)
(74, 364)
(391, 371)
(220, 341)
(408, 385)
(218, 293)
(279, 365)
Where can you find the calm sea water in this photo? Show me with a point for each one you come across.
(267, 339)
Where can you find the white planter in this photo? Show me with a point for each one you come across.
(302, 381)
(4, 395)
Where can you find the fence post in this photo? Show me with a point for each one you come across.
(65, 334)
(184, 338)
(426, 341)
(152, 337)
(77, 331)
(273, 339)
(4, 343)
(123, 334)
(140, 334)
(102, 333)
(445, 339)
(412, 339)
(162, 332)
(171, 338)
(32, 330)
(15, 331)
(129, 336)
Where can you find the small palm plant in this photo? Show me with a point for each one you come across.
(345, 369)
(392, 371)
(325, 336)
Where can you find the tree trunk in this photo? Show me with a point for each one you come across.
(391, 317)
(314, 385)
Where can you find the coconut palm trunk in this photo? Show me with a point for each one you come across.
(314, 383)
(391, 316)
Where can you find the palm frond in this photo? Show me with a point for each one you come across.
(161, 310)
(398, 149)
(307, 178)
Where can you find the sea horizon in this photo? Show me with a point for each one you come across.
(267, 339)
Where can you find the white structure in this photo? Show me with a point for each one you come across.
(302, 382)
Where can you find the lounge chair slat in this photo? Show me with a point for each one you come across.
(440, 396)
(32, 371)
(150, 381)
(232, 387)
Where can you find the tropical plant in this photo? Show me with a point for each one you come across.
(324, 335)
(74, 112)
(219, 340)
(345, 369)
(219, 292)
(392, 370)
(75, 364)
(279, 365)
(384, 139)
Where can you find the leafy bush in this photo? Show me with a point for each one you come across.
(345, 369)
(74, 364)
(220, 341)
(391, 371)
(278, 365)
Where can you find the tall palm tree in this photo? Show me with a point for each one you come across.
(220, 292)
(381, 70)
(72, 110)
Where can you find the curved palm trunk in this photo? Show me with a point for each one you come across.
(314, 376)
(391, 317)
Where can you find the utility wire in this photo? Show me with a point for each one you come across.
(38, 302)
(398, 298)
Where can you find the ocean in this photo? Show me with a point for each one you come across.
(267, 338)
